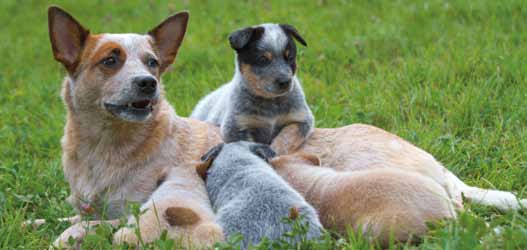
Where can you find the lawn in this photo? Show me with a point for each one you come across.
(449, 76)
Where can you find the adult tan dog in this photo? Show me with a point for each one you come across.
(123, 142)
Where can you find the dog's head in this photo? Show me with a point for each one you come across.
(266, 57)
(117, 75)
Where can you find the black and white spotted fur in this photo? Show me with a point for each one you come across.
(249, 197)
(245, 112)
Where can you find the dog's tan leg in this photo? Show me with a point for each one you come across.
(184, 220)
(38, 222)
(179, 206)
(78, 231)
(290, 138)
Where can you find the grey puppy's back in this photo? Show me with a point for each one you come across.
(250, 198)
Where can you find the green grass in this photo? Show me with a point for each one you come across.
(449, 76)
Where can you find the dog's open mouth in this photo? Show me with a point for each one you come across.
(132, 111)
(144, 104)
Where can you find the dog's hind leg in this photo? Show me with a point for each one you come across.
(502, 200)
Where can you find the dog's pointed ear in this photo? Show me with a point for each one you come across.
(263, 151)
(206, 160)
(67, 37)
(289, 29)
(168, 36)
(240, 38)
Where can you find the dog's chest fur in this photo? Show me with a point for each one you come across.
(106, 183)
(107, 174)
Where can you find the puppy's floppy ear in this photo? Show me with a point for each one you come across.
(240, 38)
(312, 158)
(289, 29)
(67, 37)
(207, 159)
(263, 151)
(168, 36)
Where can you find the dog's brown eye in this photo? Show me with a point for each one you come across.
(152, 62)
(109, 61)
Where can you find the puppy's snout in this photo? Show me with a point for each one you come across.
(283, 83)
(145, 84)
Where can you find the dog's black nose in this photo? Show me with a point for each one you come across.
(145, 84)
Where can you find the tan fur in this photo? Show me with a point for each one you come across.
(293, 213)
(288, 140)
(375, 200)
(105, 50)
(268, 55)
(252, 121)
(109, 161)
(181, 207)
(255, 82)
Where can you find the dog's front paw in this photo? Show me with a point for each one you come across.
(125, 235)
(523, 203)
(76, 233)
(206, 234)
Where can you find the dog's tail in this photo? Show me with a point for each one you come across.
(502, 200)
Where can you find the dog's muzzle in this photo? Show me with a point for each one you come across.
(135, 111)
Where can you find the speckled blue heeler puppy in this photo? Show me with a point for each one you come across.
(249, 197)
(264, 102)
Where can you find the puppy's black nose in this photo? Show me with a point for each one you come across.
(283, 83)
(145, 84)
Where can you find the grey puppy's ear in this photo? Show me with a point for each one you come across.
(240, 38)
(289, 29)
(206, 160)
(263, 151)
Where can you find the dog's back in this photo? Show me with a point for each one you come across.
(250, 198)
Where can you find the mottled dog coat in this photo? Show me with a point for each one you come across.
(264, 102)
(248, 196)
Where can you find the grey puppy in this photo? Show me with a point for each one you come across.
(264, 101)
(249, 197)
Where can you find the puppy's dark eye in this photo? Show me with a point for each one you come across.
(288, 55)
(152, 63)
(265, 58)
(109, 61)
